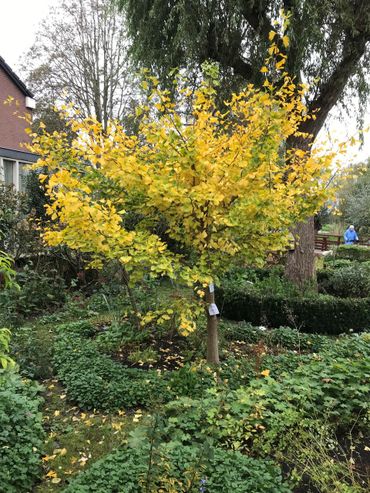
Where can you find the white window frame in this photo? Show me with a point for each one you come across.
(16, 168)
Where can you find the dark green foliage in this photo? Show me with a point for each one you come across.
(242, 331)
(95, 381)
(321, 314)
(222, 471)
(18, 233)
(334, 389)
(38, 292)
(328, 42)
(284, 337)
(353, 252)
(32, 348)
(351, 281)
(293, 339)
(21, 433)
(36, 197)
(354, 202)
(331, 263)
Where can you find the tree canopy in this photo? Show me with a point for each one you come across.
(328, 42)
(218, 179)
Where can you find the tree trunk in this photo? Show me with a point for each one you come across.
(212, 331)
(300, 264)
(126, 280)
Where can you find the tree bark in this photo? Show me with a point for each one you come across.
(300, 264)
(212, 332)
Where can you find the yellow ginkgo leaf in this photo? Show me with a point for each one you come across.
(286, 41)
(265, 373)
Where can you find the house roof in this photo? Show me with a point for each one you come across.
(14, 77)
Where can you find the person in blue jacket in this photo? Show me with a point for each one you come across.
(350, 236)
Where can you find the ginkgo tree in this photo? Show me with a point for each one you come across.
(224, 182)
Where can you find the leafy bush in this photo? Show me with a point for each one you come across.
(241, 331)
(5, 360)
(21, 433)
(332, 263)
(351, 281)
(285, 337)
(353, 252)
(320, 314)
(19, 234)
(179, 468)
(32, 348)
(37, 292)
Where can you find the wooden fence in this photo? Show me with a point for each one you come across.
(326, 241)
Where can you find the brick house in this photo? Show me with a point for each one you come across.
(13, 156)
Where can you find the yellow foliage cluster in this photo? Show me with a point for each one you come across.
(225, 183)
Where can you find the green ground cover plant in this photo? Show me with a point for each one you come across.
(273, 387)
(21, 433)
(171, 467)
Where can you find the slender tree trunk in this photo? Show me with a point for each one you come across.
(126, 280)
(212, 331)
(300, 264)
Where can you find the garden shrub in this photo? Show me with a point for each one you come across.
(179, 468)
(32, 348)
(352, 281)
(21, 433)
(320, 314)
(241, 331)
(331, 263)
(284, 337)
(38, 292)
(353, 252)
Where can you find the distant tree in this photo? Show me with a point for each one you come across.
(80, 57)
(326, 43)
(354, 201)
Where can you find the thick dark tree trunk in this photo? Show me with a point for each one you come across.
(300, 264)
(212, 331)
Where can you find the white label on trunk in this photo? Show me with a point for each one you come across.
(211, 288)
(212, 309)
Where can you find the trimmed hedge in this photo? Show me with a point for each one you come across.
(21, 433)
(353, 252)
(321, 314)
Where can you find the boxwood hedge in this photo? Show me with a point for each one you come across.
(353, 252)
(320, 314)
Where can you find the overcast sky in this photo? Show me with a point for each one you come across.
(19, 22)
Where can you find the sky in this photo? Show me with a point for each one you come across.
(19, 23)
